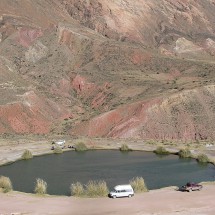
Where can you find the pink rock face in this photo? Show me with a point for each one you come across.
(33, 115)
(81, 85)
(183, 116)
(88, 90)
(121, 122)
(28, 36)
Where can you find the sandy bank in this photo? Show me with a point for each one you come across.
(166, 201)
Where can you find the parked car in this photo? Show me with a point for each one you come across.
(191, 186)
(122, 191)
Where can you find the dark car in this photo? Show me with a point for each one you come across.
(191, 186)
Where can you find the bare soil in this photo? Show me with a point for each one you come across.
(165, 201)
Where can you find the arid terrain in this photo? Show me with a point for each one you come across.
(100, 68)
(140, 72)
(165, 201)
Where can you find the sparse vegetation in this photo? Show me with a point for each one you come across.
(161, 151)
(5, 184)
(138, 185)
(92, 189)
(41, 187)
(151, 142)
(96, 189)
(58, 150)
(125, 148)
(202, 158)
(80, 147)
(27, 155)
(77, 189)
(185, 153)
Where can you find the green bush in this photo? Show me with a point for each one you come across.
(96, 189)
(80, 147)
(124, 148)
(41, 187)
(5, 184)
(138, 184)
(77, 189)
(27, 155)
(185, 153)
(58, 150)
(161, 151)
(202, 158)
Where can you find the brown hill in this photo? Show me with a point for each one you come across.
(122, 69)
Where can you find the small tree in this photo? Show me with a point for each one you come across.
(161, 151)
(124, 148)
(202, 158)
(41, 187)
(5, 184)
(185, 153)
(138, 184)
(58, 150)
(27, 155)
(80, 147)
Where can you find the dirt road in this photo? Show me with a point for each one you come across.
(165, 201)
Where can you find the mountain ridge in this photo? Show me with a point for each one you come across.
(117, 69)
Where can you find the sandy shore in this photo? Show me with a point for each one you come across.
(11, 149)
(166, 201)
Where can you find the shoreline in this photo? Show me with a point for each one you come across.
(13, 151)
(163, 201)
(43, 147)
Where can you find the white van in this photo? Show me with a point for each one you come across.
(122, 191)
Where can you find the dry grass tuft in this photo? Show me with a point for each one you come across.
(41, 187)
(138, 184)
(5, 184)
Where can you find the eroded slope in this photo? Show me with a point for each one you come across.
(122, 69)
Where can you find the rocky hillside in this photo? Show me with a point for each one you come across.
(104, 68)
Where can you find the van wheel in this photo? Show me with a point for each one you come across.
(129, 196)
(114, 197)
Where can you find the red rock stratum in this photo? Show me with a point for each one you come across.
(120, 69)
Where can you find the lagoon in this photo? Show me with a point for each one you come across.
(115, 167)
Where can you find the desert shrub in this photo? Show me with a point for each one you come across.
(5, 184)
(138, 184)
(80, 147)
(92, 189)
(96, 189)
(77, 189)
(161, 151)
(184, 153)
(150, 142)
(202, 158)
(41, 187)
(27, 155)
(124, 148)
(58, 150)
